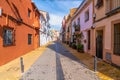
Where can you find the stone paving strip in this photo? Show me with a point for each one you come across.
(104, 70)
(73, 69)
(12, 70)
(56, 63)
(44, 68)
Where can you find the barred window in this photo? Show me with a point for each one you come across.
(78, 21)
(117, 39)
(29, 13)
(68, 29)
(74, 23)
(99, 3)
(29, 39)
(7, 37)
(86, 15)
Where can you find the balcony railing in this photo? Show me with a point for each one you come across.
(77, 27)
(112, 6)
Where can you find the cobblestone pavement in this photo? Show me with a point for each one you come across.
(73, 69)
(56, 63)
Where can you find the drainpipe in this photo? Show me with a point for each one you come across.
(93, 27)
(34, 36)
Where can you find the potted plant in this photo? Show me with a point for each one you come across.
(73, 45)
(80, 48)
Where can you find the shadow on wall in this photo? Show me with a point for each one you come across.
(14, 10)
(17, 12)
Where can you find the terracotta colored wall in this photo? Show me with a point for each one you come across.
(67, 33)
(8, 53)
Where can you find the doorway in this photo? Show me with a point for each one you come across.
(89, 40)
(99, 44)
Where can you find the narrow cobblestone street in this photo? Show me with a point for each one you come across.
(60, 40)
(57, 63)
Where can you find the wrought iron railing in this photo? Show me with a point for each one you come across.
(77, 27)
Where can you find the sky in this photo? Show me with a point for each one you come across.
(57, 9)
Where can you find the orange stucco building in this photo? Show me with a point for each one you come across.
(19, 28)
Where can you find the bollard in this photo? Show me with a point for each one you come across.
(21, 65)
(95, 63)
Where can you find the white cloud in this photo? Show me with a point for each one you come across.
(55, 19)
(63, 9)
(77, 3)
(69, 4)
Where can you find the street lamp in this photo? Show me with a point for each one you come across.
(93, 26)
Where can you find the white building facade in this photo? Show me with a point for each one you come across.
(45, 35)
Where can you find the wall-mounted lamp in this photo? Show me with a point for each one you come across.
(0, 11)
(93, 26)
(94, 15)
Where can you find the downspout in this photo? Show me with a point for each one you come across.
(93, 30)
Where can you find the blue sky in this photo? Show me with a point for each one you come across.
(57, 9)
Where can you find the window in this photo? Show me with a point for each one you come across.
(29, 39)
(29, 13)
(99, 3)
(117, 39)
(78, 21)
(86, 15)
(68, 30)
(74, 23)
(7, 37)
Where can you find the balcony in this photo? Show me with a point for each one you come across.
(112, 6)
(44, 30)
(77, 27)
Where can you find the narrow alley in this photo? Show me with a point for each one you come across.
(57, 63)
(59, 39)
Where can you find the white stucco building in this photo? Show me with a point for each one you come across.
(45, 35)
